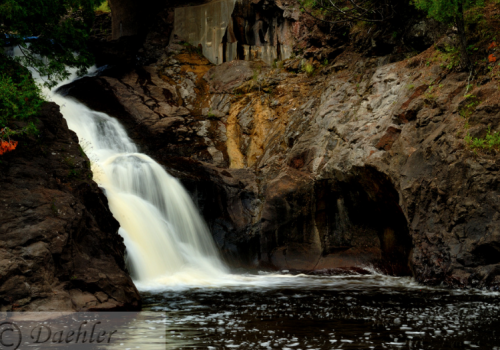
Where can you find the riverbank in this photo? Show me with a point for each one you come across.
(59, 243)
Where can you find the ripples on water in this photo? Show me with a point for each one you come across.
(343, 312)
(266, 311)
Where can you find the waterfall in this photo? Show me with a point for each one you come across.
(167, 241)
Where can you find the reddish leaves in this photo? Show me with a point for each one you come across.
(492, 58)
(7, 146)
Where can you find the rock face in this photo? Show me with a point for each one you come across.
(224, 29)
(359, 164)
(357, 161)
(59, 245)
(227, 30)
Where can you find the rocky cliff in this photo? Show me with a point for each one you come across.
(59, 243)
(358, 160)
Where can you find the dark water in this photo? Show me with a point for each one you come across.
(355, 312)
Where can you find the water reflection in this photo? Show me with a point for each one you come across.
(341, 312)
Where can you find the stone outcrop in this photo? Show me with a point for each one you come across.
(224, 30)
(59, 243)
(358, 164)
(358, 160)
(206, 25)
(227, 30)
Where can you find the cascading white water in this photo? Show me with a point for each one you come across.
(167, 241)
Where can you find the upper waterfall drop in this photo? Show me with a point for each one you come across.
(167, 241)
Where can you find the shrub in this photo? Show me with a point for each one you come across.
(489, 142)
(20, 101)
(104, 7)
(308, 68)
(451, 13)
(468, 109)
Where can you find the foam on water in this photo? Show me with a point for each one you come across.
(169, 245)
(359, 318)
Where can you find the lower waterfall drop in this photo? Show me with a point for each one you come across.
(168, 243)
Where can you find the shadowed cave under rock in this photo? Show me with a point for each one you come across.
(351, 222)
(327, 224)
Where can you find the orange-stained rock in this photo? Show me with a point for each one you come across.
(389, 138)
(362, 162)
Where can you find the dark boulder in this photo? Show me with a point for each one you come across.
(59, 244)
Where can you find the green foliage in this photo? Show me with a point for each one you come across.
(308, 69)
(61, 27)
(20, 99)
(192, 49)
(29, 129)
(104, 7)
(471, 104)
(446, 11)
(489, 142)
(430, 98)
(450, 56)
(82, 152)
(313, 7)
(58, 30)
(85, 149)
(411, 54)
(451, 12)
(277, 64)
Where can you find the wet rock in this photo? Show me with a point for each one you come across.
(364, 164)
(59, 244)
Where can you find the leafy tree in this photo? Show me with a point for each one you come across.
(451, 12)
(61, 28)
(51, 35)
